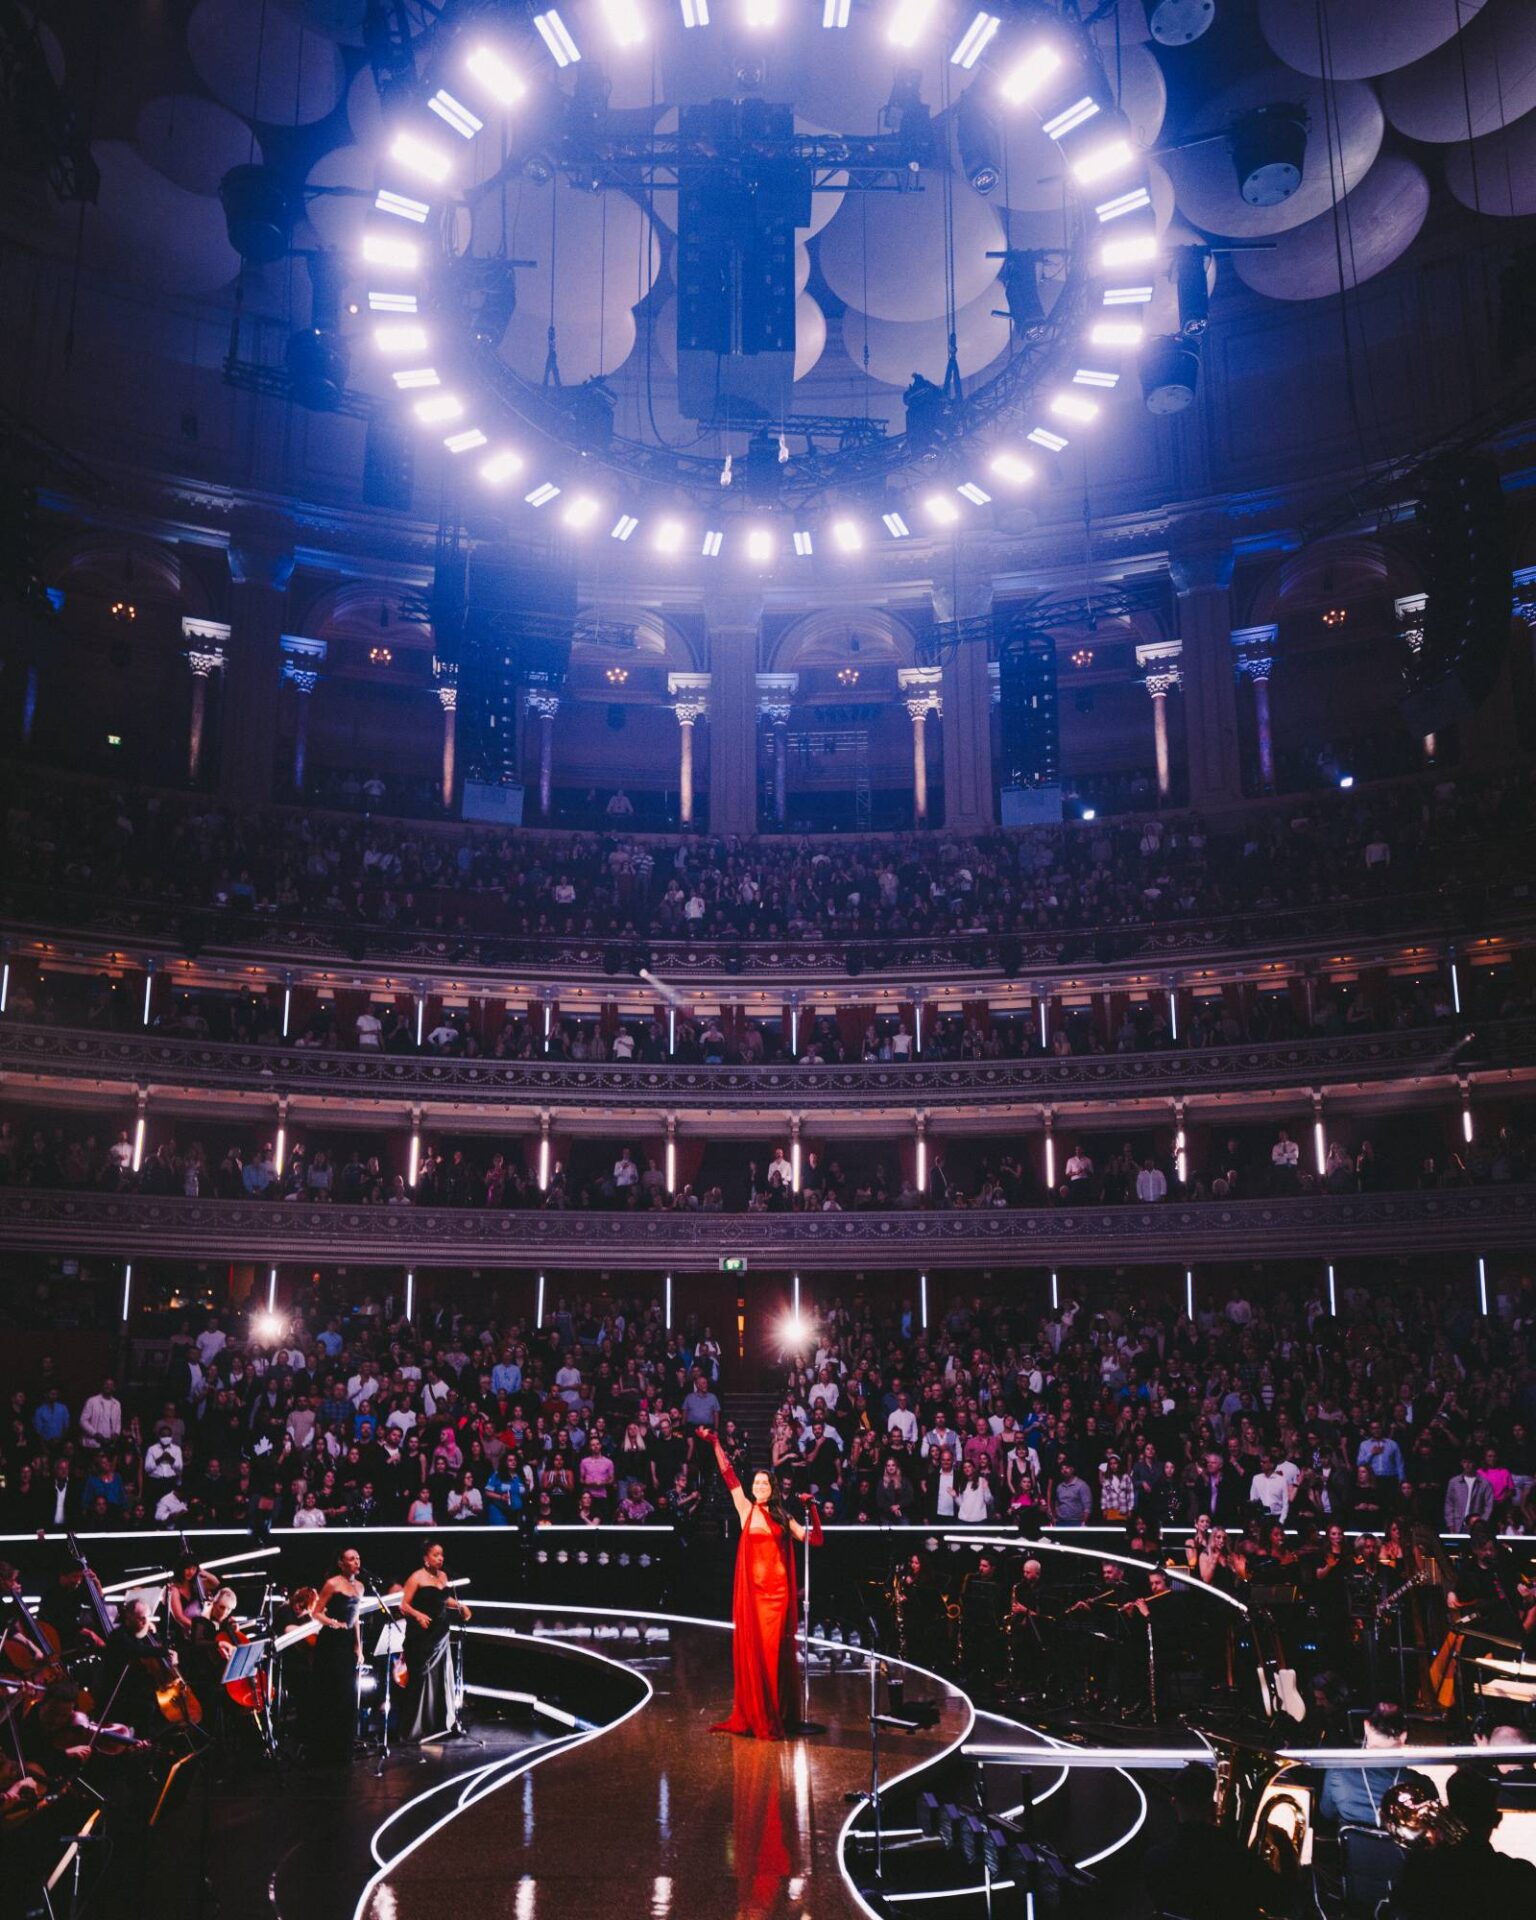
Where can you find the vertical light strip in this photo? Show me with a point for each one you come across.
(127, 1290)
(795, 1309)
(288, 1009)
(671, 1030)
(1181, 1158)
(415, 1161)
(281, 1153)
(548, 1015)
(544, 1164)
(410, 1295)
(421, 1016)
(794, 1031)
(1189, 1293)
(538, 1305)
(1055, 1288)
(917, 1027)
(272, 1290)
(5, 985)
(138, 1143)
(794, 1164)
(922, 1298)
(149, 987)
(671, 1166)
(1333, 1292)
(1466, 1118)
(1319, 1146)
(668, 1320)
(1044, 1005)
(1455, 987)
(922, 1163)
(1173, 1013)
(1050, 1161)
(1482, 1286)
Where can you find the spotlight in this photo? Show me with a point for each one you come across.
(259, 212)
(1346, 781)
(625, 22)
(1133, 250)
(268, 1328)
(1170, 373)
(909, 21)
(383, 250)
(500, 466)
(1174, 23)
(1020, 275)
(581, 512)
(1193, 289)
(927, 413)
(420, 156)
(1117, 333)
(504, 86)
(1269, 147)
(1010, 467)
(942, 509)
(1102, 161)
(760, 545)
(553, 31)
(981, 149)
(847, 535)
(974, 42)
(794, 1333)
(669, 536)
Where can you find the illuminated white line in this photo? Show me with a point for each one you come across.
(539, 1706)
(1094, 1553)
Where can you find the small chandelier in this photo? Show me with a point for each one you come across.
(616, 676)
(1083, 658)
(123, 611)
(847, 676)
(381, 656)
(1334, 617)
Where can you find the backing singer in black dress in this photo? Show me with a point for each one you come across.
(426, 1604)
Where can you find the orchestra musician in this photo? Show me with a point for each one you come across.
(187, 1594)
(1029, 1629)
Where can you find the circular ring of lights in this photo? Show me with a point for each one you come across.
(1031, 56)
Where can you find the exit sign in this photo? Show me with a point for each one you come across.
(733, 1263)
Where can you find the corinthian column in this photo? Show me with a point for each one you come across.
(545, 705)
(775, 702)
(302, 660)
(448, 700)
(1256, 658)
(1159, 665)
(920, 688)
(206, 642)
(690, 702)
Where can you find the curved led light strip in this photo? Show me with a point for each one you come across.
(1053, 71)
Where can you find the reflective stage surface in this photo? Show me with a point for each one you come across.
(654, 1815)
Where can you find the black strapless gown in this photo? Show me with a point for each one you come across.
(333, 1684)
(424, 1710)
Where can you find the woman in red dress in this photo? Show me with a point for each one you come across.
(764, 1603)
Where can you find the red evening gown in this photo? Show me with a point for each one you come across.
(764, 1606)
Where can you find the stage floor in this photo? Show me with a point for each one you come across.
(654, 1815)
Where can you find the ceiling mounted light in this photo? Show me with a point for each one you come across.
(1122, 204)
(259, 213)
(695, 13)
(847, 535)
(1071, 406)
(434, 412)
(1117, 333)
(803, 543)
(941, 508)
(581, 512)
(453, 113)
(1133, 250)
(626, 23)
(895, 526)
(1012, 468)
(974, 42)
(553, 31)
(760, 15)
(403, 337)
(1269, 150)
(408, 378)
(401, 206)
(1027, 76)
(1094, 377)
(465, 442)
(759, 544)
(669, 536)
(416, 155)
(978, 496)
(384, 250)
(503, 83)
(909, 21)
(542, 494)
(1175, 23)
(1127, 296)
(616, 676)
(834, 14)
(1103, 161)
(500, 466)
(713, 541)
(847, 676)
(981, 146)
(380, 302)
(1070, 118)
(1170, 373)
(1043, 437)
(624, 526)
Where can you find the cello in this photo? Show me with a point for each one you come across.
(179, 1705)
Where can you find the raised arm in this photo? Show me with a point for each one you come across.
(739, 1500)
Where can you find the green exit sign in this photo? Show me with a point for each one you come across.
(733, 1263)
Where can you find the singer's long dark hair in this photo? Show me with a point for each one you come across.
(774, 1504)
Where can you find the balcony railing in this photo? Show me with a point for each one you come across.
(1460, 1223)
(148, 1058)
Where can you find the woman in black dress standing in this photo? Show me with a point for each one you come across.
(338, 1656)
(426, 1603)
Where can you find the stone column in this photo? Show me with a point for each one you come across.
(775, 702)
(690, 702)
(1202, 579)
(545, 704)
(1410, 608)
(734, 622)
(962, 612)
(1256, 658)
(206, 643)
(260, 567)
(302, 661)
(1160, 674)
(920, 690)
(448, 700)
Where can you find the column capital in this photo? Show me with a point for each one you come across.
(775, 695)
(208, 636)
(448, 697)
(299, 647)
(1159, 661)
(690, 696)
(1259, 667)
(303, 680)
(205, 660)
(920, 687)
(542, 701)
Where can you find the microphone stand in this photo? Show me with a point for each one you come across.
(371, 1582)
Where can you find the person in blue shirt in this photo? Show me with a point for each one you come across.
(1352, 1796)
(504, 1492)
(1380, 1453)
(506, 1376)
(50, 1421)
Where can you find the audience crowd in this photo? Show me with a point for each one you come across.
(291, 865)
(1405, 1406)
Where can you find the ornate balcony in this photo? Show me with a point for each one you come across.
(1460, 1223)
(44, 1054)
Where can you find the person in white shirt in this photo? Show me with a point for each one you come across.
(1270, 1490)
(625, 1172)
(170, 1508)
(1151, 1184)
(1284, 1160)
(1079, 1167)
(120, 1153)
(310, 1514)
(945, 1494)
(779, 1165)
(901, 1043)
(162, 1458)
(973, 1504)
(902, 1420)
(210, 1343)
(623, 1044)
(101, 1418)
(443, 1036)
(370, 1031)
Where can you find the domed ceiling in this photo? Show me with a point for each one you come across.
(1398, 105)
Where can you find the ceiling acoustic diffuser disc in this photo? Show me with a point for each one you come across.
(1175, 23)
